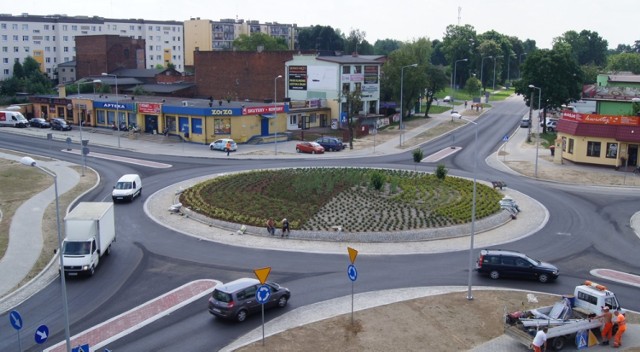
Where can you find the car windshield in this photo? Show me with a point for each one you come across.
(123, 185)
(77, 248)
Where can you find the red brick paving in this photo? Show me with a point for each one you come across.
(138, 317)
(618, 276)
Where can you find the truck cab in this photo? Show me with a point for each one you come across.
(590, 297)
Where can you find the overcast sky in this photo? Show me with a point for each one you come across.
(404, 20)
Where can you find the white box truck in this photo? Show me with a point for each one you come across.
(89, 232)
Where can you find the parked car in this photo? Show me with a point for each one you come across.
(525, 122)
(221, 144)
(331, 144)
(309, 147)
(447, 99)
(237, 299)
(499, 263)
(39, 122)
(60, 124)
(552, 125)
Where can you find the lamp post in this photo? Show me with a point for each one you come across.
(117, 106)
(537, 128)
(453, 89)
(401, 101)
(275, 115)
(81, 122)
(509, 69)
(494, 71)
(30, 162)
(519, 62)
(473, 206)
(482, 70)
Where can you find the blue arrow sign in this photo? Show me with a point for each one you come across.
(263, 294)
(42, 333)
(352, 272)
(83, 348)
(15, 319)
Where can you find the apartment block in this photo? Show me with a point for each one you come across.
(51, 39)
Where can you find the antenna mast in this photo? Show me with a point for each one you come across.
(459, 11)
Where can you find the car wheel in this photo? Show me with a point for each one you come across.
(92, 271)
(558, 343)
(108, 251)
(242, 315)
(313, 152)
(211, 147)
(297, 150)
(543, 278)
(282, 302)
(494, 275)
(330, 149)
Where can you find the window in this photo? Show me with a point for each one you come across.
(65, 38)
(358, 69)
(132, 27)
(16, 49)
(158, 48)
(612, 150)
(46, 27)
(345, 88)
(571, 146)
(3, 26)
(46, 38)
(15, 37)
(27, 49)
(5, 49)
(66, 49)
(150, 47)
(14, 26)
(5, 38)
(47, 60)
(6, 71)
(25, 27)
(5, 60)
(346, 69)
(64, 27)
(25, 38)
(593, 149)
(74, 28)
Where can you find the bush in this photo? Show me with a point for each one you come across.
(441, 172)
(377, 180)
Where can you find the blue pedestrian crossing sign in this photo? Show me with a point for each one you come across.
(15, 319)
(352, 272)
(83, 348)
(505, 138)
(581, 339)
(42, 334)
(263, 294)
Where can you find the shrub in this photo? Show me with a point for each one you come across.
(377, 180)
(441, 172)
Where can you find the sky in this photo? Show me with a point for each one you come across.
(404, 20)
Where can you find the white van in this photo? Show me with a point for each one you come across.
(128, 187)
(13, 119)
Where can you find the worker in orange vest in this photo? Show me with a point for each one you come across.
(607, 329)
(622, 327)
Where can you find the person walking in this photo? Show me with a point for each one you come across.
(228, 147)
(607, 328)
(271, 226)
(621, 321)
(285, 227)
(540, 341)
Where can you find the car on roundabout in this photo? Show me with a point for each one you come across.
(309, 147)
(221, 144)
(498, 263)
(39, 122)
(236, 300)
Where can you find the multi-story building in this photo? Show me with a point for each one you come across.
(50, 39)
(207, 35)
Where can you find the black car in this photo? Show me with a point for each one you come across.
(237, 299)
(331, 144)
(60, 124)
(39, 122)
(499, 263)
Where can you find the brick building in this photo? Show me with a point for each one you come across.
(240, 75)
(96, 54)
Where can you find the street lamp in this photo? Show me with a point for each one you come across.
(519, 62)
(473, 205)
(117, 106)
(482, 70)
(453, 89)
(80, 120)
(275, 115)
(30, 162)
(401, 101)
(509, 68)
(537, 128)
(494, 71)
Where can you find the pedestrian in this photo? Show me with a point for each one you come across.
(621, 321)
(465, 104)
(607, 328)
(540, 340)
(271, 226)
(228, 147)
(285, 227)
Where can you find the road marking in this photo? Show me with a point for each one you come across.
(437, 156)
(122, 159)
(617, 276)
(138, 317)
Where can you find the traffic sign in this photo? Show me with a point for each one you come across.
(83, 348)
(505, 138)
(42, 334)
(581, 339)
(352, 272)
(352, 254)
(262, 274)
(15, 319)
(263, 294)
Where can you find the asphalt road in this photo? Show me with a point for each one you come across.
(588, 228)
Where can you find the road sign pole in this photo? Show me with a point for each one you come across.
(351, 302)
(262, 324)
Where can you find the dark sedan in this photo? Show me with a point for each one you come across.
(60, 124)
(39, 122)
(331, 143)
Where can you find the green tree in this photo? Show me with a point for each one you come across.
(473, 86)
(320, 38)
(459, 42)
(587, 47)
(436, 81)
(624, 62)
(28, 78)
(254, 41)
(558, 75)
(355, 42)
(386, 46)
(437, 56)
(590, 73)
(354, 105)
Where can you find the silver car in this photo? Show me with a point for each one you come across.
(237, 299)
